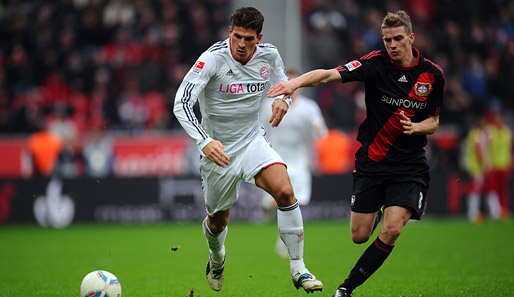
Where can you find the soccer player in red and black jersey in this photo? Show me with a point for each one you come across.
(404, 93)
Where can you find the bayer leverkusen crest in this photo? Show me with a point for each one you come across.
(422, 89)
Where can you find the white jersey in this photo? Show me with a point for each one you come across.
(229, 94)
(302, 124)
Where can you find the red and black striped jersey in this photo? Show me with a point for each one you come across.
(417, 90)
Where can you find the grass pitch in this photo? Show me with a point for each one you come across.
(434, 257)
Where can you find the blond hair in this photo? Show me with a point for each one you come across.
(397, 19)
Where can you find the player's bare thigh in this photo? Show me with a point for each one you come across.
(275, 181)
(362, 226)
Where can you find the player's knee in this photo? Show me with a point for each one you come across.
(217, 228)
(360, 238)
(360, 235)
(392, 231)
(218, 225)
(284, 196)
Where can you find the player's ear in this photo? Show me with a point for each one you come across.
(412, 37)
(229, 30)
(259, 38)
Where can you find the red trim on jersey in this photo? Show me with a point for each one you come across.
(385, 137)
(371, 55)
(232, 54)
(269, 165)
(437, 110)
(340, 68)
(436, 66)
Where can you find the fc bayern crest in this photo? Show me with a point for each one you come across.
(422, 89)
(264, 72)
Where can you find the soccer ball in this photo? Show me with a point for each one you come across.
(100, 283)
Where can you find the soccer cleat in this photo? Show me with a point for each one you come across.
(378, 217)
(215, 274)
(307, 281)
(341, 292)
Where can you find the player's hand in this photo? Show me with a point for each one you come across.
(215, 151)
(278, 111)
(408, 125)
(285, 88)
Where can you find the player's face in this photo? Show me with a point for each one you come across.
(243, 42)
(399, 45)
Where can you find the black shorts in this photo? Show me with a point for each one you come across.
(370, 194)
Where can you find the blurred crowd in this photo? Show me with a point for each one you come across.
(99, 64)
(76, 66)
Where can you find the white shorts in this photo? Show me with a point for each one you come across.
(302, 187)
(221, 185)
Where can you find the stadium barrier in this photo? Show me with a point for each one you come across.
(57, 203)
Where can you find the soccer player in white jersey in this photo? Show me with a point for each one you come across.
(230, 80)
(293, 141)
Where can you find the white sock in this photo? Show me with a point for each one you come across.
(290, 227)
(473, 206)
(216, 243)
(493, 204)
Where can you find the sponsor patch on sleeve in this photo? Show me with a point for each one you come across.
(353, 65)
(199, 64)
(198, 67)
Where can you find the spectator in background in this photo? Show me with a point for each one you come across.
(500, 155)
(294, 141)
(474, 78)
(335, 154)
(475, 158)
(44, 148)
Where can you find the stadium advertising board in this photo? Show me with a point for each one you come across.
(149, 155)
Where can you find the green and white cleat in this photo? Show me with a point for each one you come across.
(215, 274)
(306, 280)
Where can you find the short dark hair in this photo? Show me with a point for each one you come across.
(397, 19)
(248, 18)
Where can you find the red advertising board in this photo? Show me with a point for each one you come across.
(150, 155)
(142, 155)
(13, 158)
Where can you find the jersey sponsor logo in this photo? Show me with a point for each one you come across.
(242, 88)
(405, 103)
(422, 89)
(264, 72)
(353, 65)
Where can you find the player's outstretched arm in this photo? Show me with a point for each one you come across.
(309, 79)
